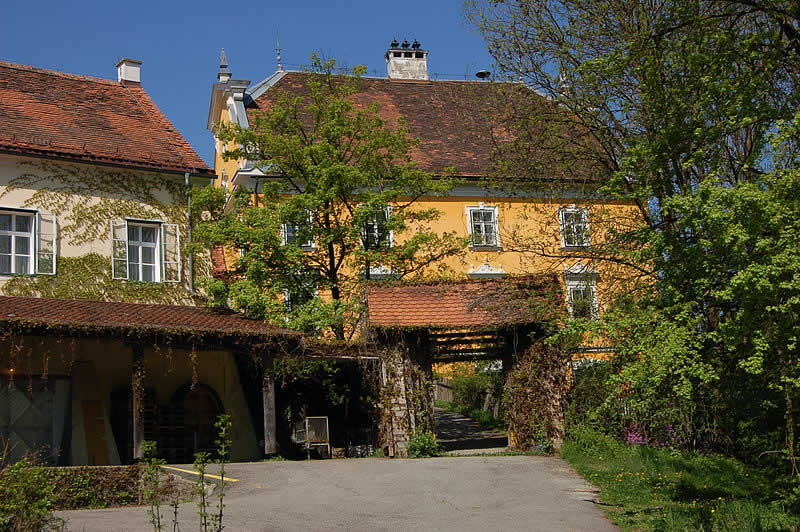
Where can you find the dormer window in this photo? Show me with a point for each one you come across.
(574, 227)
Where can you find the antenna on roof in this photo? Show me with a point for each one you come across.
(278, 52)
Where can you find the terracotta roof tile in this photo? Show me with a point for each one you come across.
(448, 117)
(82, 118)
(113, 315)
(469, 304)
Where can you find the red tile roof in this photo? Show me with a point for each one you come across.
(67, 116)
(104, 315)
(450, 118)
(464, 304)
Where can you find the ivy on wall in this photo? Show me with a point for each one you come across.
(85, 199)
(89, 277)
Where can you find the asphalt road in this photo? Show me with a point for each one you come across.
(448, 493)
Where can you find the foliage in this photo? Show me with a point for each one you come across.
(201, 461)
(89, 277)
(660, 489)
(534, 397)
(469, 391)
(151, 489)
(224, 427)
(77, 488)
(26, 498)
(423, 444)
(692, 108)
(477, 414)
(336, 167)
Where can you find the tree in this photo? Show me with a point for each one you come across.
(693, 107)
(337, 207)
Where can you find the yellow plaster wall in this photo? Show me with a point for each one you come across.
(101, 367)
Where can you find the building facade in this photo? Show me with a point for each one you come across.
(512, 226)
(94, 217)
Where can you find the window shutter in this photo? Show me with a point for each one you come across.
(119, 249)
(170, 253)
(45, 244)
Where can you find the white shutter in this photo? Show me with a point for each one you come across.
(45, 244)
(170, 253)
(119, 249)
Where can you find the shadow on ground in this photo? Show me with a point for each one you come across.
(456, 433)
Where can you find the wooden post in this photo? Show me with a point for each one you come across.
(268, 395)
(137, 394)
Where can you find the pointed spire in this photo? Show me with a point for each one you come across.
(278, 52)
(224, 73)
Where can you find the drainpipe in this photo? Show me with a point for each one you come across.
(190, 280)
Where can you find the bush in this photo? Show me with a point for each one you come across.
(423, 444)
(26, 498)
(94, 487)
(470, 391)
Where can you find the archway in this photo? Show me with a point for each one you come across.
(200, 406)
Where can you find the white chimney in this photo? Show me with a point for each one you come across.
(407, 61)
(129, 70)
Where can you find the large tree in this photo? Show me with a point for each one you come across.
(693, 108)
(337, 206)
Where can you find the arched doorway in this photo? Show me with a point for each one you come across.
(201, 406)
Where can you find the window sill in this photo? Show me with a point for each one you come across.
(575, 248)
(474, 247)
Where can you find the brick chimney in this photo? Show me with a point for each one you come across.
(129, 70)
(406, 61)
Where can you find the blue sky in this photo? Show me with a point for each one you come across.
(179, 42)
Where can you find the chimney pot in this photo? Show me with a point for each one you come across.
(129, 70)
(407, 64)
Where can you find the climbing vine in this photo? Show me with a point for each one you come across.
(86, 198)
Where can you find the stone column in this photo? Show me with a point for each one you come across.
(137, 394)
(270, 420)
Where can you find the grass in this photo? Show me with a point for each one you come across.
(481, 416)
(658, 489)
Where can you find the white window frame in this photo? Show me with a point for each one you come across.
(42, 242)
(375, 225)
(166, 250)
(308, 244)
(562, 222)
(495, 224)
(582, 281)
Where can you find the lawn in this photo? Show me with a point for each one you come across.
(644, 488)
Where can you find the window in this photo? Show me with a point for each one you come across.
(483, 226)
(145, 251)
(297, 233)
(574, 227)
(582, 295)
(376, 233)
(27, 243)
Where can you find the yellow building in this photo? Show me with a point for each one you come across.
(546, 225)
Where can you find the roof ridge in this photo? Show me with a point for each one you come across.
(67, 75)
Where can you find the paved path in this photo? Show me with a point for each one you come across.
(460, 434)
(448, 493)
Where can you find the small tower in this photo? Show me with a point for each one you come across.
(407, 61)
(224, 73)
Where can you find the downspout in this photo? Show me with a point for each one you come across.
(190, 280)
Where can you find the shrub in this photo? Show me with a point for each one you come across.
(423, 444)
(94, 487)
(26, 498)
(470, 390)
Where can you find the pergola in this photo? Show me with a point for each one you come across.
(416, 325)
